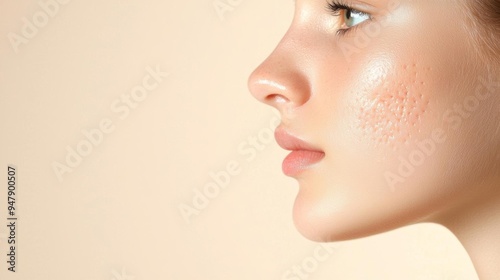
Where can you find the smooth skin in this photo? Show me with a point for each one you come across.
(407, 114)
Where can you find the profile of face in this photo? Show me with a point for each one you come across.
(391, 116)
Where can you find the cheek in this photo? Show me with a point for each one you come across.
(390, 110)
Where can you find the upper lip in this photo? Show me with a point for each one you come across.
(289, 142)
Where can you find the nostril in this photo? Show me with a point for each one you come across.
(277, 99)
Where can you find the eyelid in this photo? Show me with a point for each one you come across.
(362, 7)
(336, 7)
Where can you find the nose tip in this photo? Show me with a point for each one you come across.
(279, 84)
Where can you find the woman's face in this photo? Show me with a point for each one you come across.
(397, 118)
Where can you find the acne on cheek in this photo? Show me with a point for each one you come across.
(391, 112)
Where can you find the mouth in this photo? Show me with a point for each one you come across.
(303, 155)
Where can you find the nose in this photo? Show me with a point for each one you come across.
(279, 81)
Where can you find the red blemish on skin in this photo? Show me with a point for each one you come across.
(393, 111)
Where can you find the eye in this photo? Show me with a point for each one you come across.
(350, 17)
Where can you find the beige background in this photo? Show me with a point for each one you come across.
(116, 216)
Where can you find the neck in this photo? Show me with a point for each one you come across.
(477, 225)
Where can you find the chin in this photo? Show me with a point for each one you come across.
(317, 223)
(322, 218)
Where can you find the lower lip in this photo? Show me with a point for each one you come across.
(298, 161)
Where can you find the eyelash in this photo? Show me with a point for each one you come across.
(335, 7)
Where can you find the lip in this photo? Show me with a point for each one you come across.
(303, 155)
